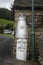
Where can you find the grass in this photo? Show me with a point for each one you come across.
(7, 35)
(4, 21)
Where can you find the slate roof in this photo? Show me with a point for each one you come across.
(26, 3)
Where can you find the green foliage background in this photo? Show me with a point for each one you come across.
(6, 14)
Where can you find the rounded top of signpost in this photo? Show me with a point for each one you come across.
(22, 17)
(21, 29)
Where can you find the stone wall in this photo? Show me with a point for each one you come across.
(38, 30)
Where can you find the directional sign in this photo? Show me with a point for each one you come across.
(21, 49)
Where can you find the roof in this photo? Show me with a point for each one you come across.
(26, 3)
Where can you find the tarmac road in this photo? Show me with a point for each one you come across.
(6, 46)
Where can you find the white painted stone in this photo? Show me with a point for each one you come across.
(21, 49)
(21, 29)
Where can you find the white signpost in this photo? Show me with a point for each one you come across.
(21, 35)
(21, 49)
(21, 30)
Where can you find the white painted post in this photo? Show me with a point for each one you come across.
(21, 35)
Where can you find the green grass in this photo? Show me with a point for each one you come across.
(7, 35)
(4, 21)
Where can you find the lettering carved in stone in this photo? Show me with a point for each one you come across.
(37, 20)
